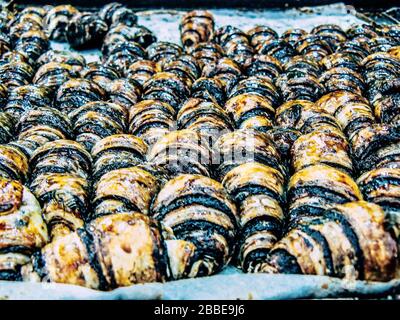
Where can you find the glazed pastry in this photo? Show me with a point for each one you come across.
(16, 74)
(151, 119)
(39, 126)
(198, 210)
(166, 87)
(331, 34)
(24, 98)
(210, 89)
(29, 19)
(23, 229)
(32, 44)
(361, 32)
(115, 13)
(260, 34)
(380, 186)
(59, 180)
(100, 74)
(304, 116)
(300, 80)
(89, 257)
(182, 151)
(316, 188)
(13, 56)
(163, 52)
(284, 137)
(264, 66)
(56, 21)
(96, 120)
(6, 127)
(322, 147)
(207, 52)
(313, 46)
(381, 44)
(196, 27)
(143, 260)
(351, 111)
(209, 119)
(292, 35)
(349, 241)
(341, 60)
(375, 146)
(75, 93)
(259, 86)
(13, 163)
(73, 59)
(125, 189)
(258, 190)
(85, 30)
(379, 67)
(246, 145)
(52, 75)
(122, 54)
(142, 70)
(277, 48)
(123, 33)
(117, 152)
(224, 69)
(358, 50)
(155, 161)
(124, 92)
(340, 78)
(185, 67)
(247, 107)
(386, 101)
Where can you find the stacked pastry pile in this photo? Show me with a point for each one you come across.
(276, 153)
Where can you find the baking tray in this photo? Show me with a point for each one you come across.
(230, 283)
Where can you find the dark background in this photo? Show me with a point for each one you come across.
(142, 4)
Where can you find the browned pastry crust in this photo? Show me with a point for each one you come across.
(304, 116)
(22, 229)
(348, 241)
(316, 188)
(182, 151)
(198, 210)
(322, 147)
(133, 187)
(196, 27)
(124, 262)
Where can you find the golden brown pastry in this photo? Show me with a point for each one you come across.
(352, 111)
(316, 188)
(151, 120)
(13, 163)
(242, 146)
(322, 147)
(182, 151)
(349, 241)
(259, 192)
(104, 256)
(124, 189)
(304, 116)
(198, 210)
(117, 152)
(60, 181)
(206, 117)
(129, 249)
(22, 231)
(196, 27)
